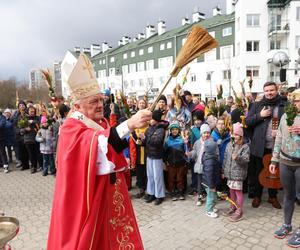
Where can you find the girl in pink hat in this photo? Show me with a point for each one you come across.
(235, 164)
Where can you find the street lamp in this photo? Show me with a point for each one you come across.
(208, 77)
(281, 59)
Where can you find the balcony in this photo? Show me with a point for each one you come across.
(279, 28)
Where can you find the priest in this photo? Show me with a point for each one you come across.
(91, 206)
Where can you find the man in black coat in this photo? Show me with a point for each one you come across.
(262, 115)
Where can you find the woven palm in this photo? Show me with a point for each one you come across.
(198, 42)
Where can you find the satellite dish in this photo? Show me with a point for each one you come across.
(280, 59)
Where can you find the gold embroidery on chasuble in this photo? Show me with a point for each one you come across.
(121, 221)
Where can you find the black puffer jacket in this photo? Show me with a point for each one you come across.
(154, 140)
(259, 125)
(2, 127)
(211, 171)
(29, 136)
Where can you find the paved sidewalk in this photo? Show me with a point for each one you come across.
(172, 225)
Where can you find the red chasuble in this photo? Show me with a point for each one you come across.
(88, 211)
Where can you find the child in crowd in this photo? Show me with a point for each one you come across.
(196, 155)
(198, 120)
(211, 176)
(154, 141)
(176, 161)
(221, 136)
(45, 138)
(235, 164)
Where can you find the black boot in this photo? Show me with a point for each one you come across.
(150, 198)
(158, 201)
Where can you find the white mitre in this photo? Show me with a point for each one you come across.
(82, 81)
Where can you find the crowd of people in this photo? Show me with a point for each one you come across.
(222, 143)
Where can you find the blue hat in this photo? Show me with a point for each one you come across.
(107, 92)
(174, 125)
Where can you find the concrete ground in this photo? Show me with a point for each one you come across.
(172, 225)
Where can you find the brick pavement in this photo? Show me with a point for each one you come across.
(172, 225)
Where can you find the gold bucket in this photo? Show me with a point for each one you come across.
(9, 228)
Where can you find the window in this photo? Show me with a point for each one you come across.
(227, 74)
(252, 46)
(162, 80)
(297, 40)
(162, 46)
(132, 54)
(210, 55)
(141, 83)
(193, 78)
(125, 69)
(150, 81)
(150, 65)
(112, 71)
(126, 84)
(169, 45)
(227, 31)
(141, 52)
(132, 68)
(100, 62)
(125, 56)
(150, 49)
(252, 71)
(238, 48)
(103, 62)
(112, 59)
(298, 13)
(252, 20)
(165, 62)
(212, 33)
(183, 41)
(226, 52)
(275, 23)
(132, 83)
(275, 44)
(141, 66)
(101, 73)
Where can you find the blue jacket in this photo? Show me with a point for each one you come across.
(222, 143)
(195, 134)
(9, 133)
(211, 171)
(175, 151)
(2, 127)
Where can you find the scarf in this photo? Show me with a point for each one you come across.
(271, 102)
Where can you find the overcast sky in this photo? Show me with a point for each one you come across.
(34, 33)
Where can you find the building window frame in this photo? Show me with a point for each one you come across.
(252, 71)
(227, 31)
(150, 49)
(252, 46)
(253, 20)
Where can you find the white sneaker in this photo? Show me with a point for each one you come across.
(212, 214)
(5, 169)
(198, 203)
